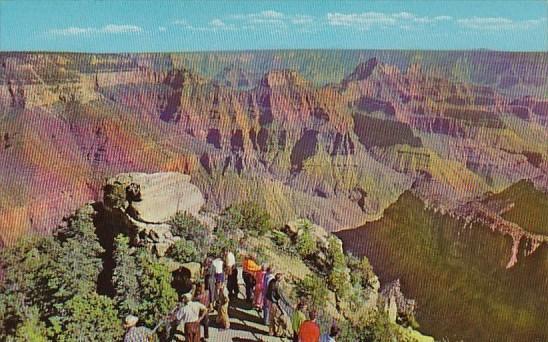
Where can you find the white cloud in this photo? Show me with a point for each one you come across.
(366, 20)
(499, 23)
(107, 29)
(273, 20)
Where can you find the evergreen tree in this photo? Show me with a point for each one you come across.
(87, 317)
(125, 278)
(157, 296)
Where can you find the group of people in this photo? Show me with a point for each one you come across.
(262, 288)
(219, 287)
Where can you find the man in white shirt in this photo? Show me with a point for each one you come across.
(231, 273)
(189, 317)
(218, 266)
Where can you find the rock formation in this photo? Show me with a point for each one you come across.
(145, 203)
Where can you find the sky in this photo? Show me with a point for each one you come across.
(169, 26)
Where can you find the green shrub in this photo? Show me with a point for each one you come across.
(361, 271)
(88, 317)
(306, 244)
(371, 327)
(189, 228)
(314, 288)
(158, 298)
(185, 251)
(221, 241)
(248, 217)
(32, 329)
(339, 282)
(283, 242)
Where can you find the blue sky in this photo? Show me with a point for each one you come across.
(136, 26)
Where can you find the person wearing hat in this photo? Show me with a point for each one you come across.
(135, 333)
(189, 316)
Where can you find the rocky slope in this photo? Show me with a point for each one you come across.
(338, 153)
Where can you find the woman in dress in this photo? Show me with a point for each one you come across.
(258, 298)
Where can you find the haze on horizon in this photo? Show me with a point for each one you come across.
(168, 26)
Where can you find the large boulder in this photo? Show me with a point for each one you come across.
(145, 203)
(161, 195)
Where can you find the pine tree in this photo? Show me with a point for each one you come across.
(125, 278)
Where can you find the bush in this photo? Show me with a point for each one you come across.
(89, 317)
(189, 228)
(372, 327)
(221, 241)
(185, 251)
(248, 217)
(32, 329)
(361, 271)
(314, 288)
(338, 280)
(306, 244)
(158, 298)
(283, 242)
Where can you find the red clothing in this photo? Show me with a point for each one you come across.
(309, 332)
(258, 297)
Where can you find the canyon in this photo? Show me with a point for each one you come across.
(455, 140)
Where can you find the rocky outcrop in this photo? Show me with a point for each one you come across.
(394, 302)
(145, 203)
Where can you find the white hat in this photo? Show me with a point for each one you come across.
(188, 296)
(130, 321)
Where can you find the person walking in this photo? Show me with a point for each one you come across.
(250, 268)
(222, 306)
(332, 335)
(231, 272)
(275, 314)
(189, 317)
(258, 298)
(135, 333)
(202, 295)
(310, 330)
(297, 320)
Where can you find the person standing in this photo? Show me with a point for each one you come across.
(333, 333)
(273, 296)
(207, 273)
(202, 295)
(231, 273)
(266, 303)
(297, 320)
(222, 306)
(310, 330)
(189, 317)
(250, 268)
(135, 333)
(218, 268)
(258, 298)
(211, 282)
